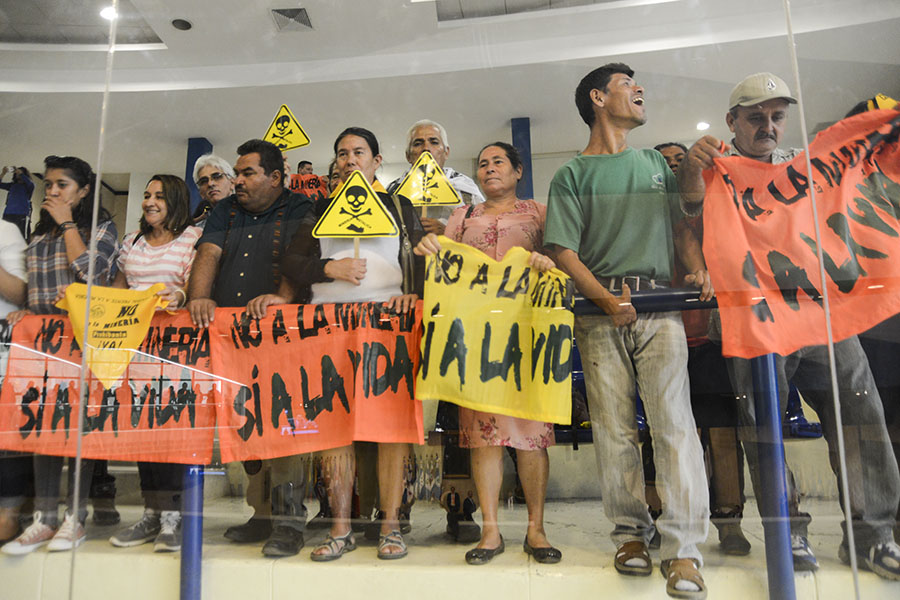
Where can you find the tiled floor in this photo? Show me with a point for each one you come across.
(435, 568)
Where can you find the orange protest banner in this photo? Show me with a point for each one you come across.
(305, 378)
(161, 410)
(760, 242)
(314, 377)
(309, 184)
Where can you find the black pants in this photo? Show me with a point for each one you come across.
(161, 485)
(16, 479)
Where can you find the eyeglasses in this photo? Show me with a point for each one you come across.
(214, 177)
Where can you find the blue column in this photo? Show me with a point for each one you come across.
(197, 147)
(521, 139)
(192, 533)
(773, 500)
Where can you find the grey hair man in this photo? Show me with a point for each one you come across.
(214, 178)
(431, 136)
(757, 116)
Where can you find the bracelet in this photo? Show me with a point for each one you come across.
(68, 225)
(183, 295)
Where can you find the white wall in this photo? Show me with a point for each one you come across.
(136, 186)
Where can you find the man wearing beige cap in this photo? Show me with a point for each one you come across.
(757, 115)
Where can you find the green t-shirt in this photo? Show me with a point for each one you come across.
(616, 211)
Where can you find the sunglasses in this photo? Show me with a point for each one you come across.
(214, 177)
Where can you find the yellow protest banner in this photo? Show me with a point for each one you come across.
(497, 336)
(356, 212)
(285, 130)
(119, 320)
(426, 184)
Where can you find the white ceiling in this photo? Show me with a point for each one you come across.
(383, 64)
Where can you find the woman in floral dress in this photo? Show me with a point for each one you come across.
(501, 223)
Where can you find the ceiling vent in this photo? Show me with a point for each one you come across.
(291, 19)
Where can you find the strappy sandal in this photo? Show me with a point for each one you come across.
(683, 569)
(336, 546)
(630, 551)
(394, 538)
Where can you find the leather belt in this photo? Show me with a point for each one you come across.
(635, 282)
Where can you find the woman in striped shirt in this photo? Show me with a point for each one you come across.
(161, 251)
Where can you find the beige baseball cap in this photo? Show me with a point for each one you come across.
(759, 87)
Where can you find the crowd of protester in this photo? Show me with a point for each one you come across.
(618, 220)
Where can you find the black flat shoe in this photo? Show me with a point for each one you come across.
(547, 556)
(255, 530)
(482, 556)
(284, 541)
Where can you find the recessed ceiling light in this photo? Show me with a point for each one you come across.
(181, 24)
(702, 126)
(109, 13)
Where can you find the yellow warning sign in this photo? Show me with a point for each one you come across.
(285, 131)
(426, 184)
(356, 212)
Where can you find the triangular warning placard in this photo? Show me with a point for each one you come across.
(285, 131)
(356, 212)
(426, 184)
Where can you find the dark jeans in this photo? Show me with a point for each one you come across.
(882, 347)
(47, 475)
(161, 485)
(16, 479)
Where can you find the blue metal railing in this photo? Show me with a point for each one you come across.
(773, 500)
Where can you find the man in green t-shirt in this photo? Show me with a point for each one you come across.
(609, 225)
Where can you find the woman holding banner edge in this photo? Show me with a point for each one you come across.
(385, 272)
(57, 256)
(502, 222)
(161, 251)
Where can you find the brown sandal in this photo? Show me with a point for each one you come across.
(629, 551)
(683, 569)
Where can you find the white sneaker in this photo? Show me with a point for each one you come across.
(169, 538)
(70, 535)
(36, 535)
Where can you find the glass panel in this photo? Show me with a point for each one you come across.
(246, 394)
(860, 208)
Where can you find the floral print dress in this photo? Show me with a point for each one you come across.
(495, 235)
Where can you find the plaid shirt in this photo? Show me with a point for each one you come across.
(49, 270)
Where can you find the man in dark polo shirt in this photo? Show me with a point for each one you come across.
(237, 264)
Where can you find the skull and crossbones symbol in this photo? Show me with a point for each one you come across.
(356, 198)
(428, 181)
(282, 125)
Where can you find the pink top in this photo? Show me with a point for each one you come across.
(496, 234)
(170, 263)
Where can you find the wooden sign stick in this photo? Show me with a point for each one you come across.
(424, 210)
(356, 247)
